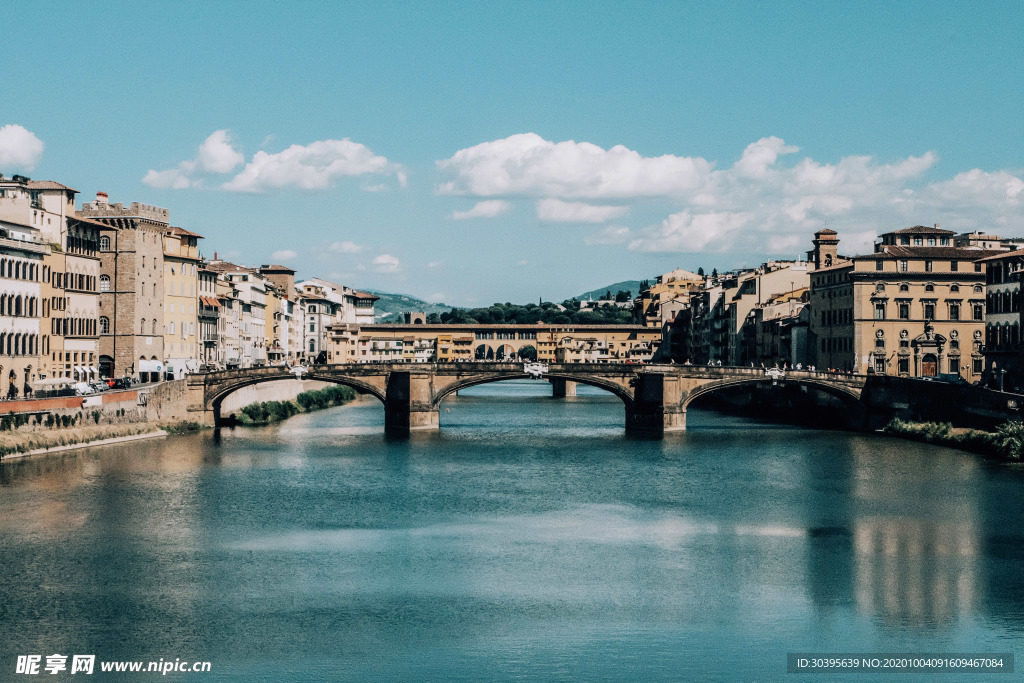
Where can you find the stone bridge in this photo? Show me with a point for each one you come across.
(655, 396)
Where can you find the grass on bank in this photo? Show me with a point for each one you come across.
(1006, 442)
(270, 412)
(23, 442)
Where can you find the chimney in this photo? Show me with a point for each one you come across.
(102, 198)
(936, 226)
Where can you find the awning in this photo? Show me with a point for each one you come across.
(92, 369)
(78, 370)
(210, 301)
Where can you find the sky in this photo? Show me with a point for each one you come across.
(472, 153)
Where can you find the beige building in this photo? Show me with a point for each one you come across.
(22, 250)
(181, 300)
(915, 307)
(494, 343)
(131, 287)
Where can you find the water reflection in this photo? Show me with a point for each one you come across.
(526, 539)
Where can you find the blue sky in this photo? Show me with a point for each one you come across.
(481, 152)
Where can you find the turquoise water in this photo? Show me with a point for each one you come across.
(528, 539)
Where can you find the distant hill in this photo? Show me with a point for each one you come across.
(390, 306)
(631, 286)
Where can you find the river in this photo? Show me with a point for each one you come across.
(528, 539)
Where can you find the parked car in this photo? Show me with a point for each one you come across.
(99, 386)
(84, 389)
(119, 382)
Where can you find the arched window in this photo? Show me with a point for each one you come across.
(104, 283)
(104, 325)
(142, 326)
(154, 326)
(104, 243)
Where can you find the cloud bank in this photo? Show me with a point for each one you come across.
(767, 201)
(315, 166)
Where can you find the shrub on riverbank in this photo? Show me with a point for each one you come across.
(184, 427)
(1007, 441)
(270, 412)
(23, 442)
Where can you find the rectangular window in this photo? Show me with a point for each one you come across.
(918, 242)
(927, 266)
(931, 241)
(879, 365)
(954, 366)
(954, 311)
(878, 264)
(977, 267)
(904, 311)
(979, 313)
(929, 311)
(905, 240)
(954, 266)
(879, 311)
(904, 365)
(904, 266)
(978, 365)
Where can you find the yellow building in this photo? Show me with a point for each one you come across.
(181, 286)
(494, 343)
(915, 307)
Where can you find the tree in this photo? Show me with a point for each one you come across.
(528, 352)
(623, 296)
(700, 271)
(714, 272)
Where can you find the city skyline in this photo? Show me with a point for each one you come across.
(472, 154)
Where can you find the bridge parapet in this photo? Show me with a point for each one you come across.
(655, 396)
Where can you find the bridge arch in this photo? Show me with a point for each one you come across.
(215, 397)
(850, 396)
(598, 382)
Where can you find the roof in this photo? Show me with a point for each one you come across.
(226, 267)
(90, 221)
(183, 232)
(826, 231)
(49, 185)
(365, 295)
(210, 301)
(921, 230)
(278, 267)
(894, 251)
(1012, 254)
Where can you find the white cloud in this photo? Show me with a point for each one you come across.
(686, 232)
(528, 165)
(20, 149)
(488, 208)
(283, 255)
(522, 263)
(385, 263)
(216, 155)
(612, 234)
(557, 211)
(767, 201)
(311, 167)
(435, 264)
(345, 247)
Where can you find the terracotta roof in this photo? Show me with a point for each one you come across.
(277, 267)
(49, 185)
(183, 231)
(365, 295)
(89, 221)
(1013, 253)
(894, 251)
(921, 230)
(826, 231)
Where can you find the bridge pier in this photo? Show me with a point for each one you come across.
(657, 406)
(560, 388)
(408, 403)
